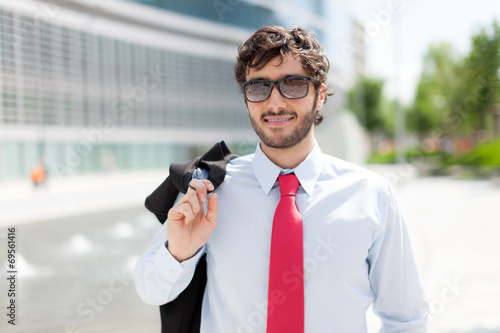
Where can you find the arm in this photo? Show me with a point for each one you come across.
(166, 268)
(399, 296)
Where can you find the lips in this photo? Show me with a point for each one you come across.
(277, 119)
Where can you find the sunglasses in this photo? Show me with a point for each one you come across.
(291, 87)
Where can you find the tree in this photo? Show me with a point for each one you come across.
(479, 82)
(365, 100)
(435, 90)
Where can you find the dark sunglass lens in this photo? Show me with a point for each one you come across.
(257, 91)
(294, 87)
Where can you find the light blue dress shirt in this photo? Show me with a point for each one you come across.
(356, 252)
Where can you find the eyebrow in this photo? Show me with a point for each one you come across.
(267, 79)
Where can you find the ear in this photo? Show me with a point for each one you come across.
(321, 96)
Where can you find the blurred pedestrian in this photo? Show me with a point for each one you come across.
(38, 175)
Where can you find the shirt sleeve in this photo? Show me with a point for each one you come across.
(400, 300)
(159, 278)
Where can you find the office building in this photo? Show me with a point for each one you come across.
(92, 86)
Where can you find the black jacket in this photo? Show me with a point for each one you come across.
(183, 315)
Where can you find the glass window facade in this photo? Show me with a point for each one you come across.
(75, 79)
(250, 14)
(67, 77)
(54, 76)
(234, 12)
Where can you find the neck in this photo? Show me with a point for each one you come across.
(289, 158)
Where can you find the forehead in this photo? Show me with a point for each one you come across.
(277, 69)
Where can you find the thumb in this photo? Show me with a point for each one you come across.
(212, 208)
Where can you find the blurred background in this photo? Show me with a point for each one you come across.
(99, 97)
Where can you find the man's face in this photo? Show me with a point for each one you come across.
(280, 122)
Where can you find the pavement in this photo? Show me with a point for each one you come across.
(455, 229)
(454, 226)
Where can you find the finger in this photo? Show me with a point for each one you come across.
(181, 212)
(208, 184)
(194, 201)
(212, 209)
(201, 187)
(188, 212)
(195, 182)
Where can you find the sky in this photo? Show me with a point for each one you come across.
(396, 51)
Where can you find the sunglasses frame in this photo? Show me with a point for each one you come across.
(276, 83)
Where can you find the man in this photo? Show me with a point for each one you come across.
(352, 250)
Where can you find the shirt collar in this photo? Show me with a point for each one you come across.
(307, 172)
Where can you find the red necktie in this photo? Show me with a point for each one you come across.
(285, 310)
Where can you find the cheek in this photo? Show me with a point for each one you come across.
(304, 104)
(253, 109)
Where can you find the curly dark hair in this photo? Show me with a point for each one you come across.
(272, 41)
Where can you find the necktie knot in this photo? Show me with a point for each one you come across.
(288, 184)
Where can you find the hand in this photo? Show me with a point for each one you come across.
(188, 228)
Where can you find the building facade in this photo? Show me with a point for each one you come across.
(91, 86)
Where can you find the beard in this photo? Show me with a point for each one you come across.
(282, 140)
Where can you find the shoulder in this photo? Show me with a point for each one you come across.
(240, 162)
(344, 171)
(368, 189)
(240, 167)
(239, 175)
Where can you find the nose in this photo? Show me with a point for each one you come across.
(276, 101)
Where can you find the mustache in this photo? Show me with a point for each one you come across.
(281, 113)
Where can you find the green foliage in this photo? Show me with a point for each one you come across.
(365, 99)
(484, 154)
(412, 155)
(388, 115)
(435, 90)
(456, 96)
(377, 158)
(478, 89)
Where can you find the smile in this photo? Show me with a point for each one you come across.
(278, 120)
